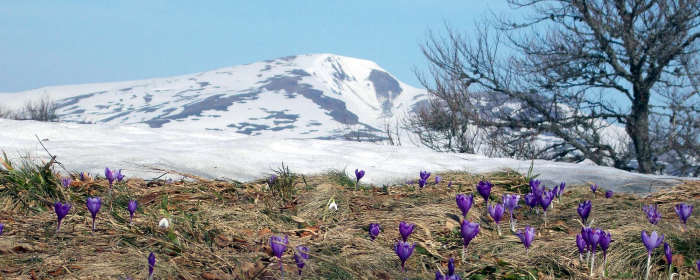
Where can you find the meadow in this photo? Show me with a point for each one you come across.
(223, 229)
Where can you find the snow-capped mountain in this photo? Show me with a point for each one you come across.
(306, 96)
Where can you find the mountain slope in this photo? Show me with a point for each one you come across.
(307, 96)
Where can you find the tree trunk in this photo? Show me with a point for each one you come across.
(638, 130)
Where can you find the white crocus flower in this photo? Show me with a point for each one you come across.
(164, 223)
(333, 206)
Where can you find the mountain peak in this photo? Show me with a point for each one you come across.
(301, 96)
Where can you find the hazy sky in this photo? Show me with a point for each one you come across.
(45, 43)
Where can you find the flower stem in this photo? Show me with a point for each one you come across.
(545, 218)
(498, 227)
(605, 266)
(648, 267)
(592, 263)
(281, 268)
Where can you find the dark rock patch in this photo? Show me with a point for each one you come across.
(384, 84)
(203, 84)
(218, 102)
(299, 72)
(314, 123)
(156, 123)
(75, 99)
(336, 108)
(278, 128)
(248, 128)
(116, 116)
(80, 111)
(148, 98)
(281, 115)
(126, 89)
(267, 68)
(276, 122)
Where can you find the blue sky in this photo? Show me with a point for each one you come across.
(47, 43)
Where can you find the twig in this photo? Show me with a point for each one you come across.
(50, 155)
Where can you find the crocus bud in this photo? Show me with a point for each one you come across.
(464, 202)
(404, 250)
(484, 189)
(164, 223)
(405, 229)
(301, 256)
(93, 205)
(61, 212)
(359, 174)
(151, 264)
(373, 231)
(608, 194)
(132, 208)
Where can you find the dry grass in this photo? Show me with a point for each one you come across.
(221, 231)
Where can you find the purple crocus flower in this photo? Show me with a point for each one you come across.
(535, 187)
(584, 209)
(170, 180)
(469, 230)
(279, 245)
(581, 244)
(374, 231)
(93, 205)
(669, 253)
(2, 226)
(421, 183)
(651, 241)
(605, 240)
(531, 200)
(653, 215)
(451, 267)
(119, 176)
(132, 208)
(409, 182)
(560, 192)
(273, 177)
(439, 276)
(449, 185)
(424, 175)
(510, 201)
(359, 174)
(66, 182)
(151, 264)
(697, 265)
(496, 213)
(464, 202)
(404, 250)
(527, 237)
(545, 201)
(111, 176)
(83, 176)
(594, 188)
(300, 256)
(405, 230)
(61, 212)
(437, 179)
(608, 194)
(683, 211)
(484, 189)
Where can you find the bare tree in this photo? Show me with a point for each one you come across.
(6, 113)
(574, 70)
(42, 109)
